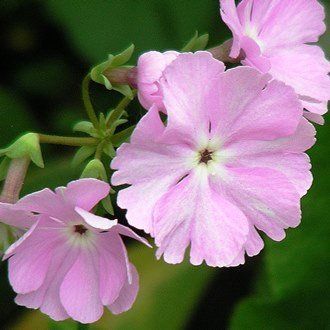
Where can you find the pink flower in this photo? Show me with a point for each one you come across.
(274, 36)
(229, 162)
(70, 263)
(149, 71)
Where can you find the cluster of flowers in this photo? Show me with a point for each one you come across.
(228, 162)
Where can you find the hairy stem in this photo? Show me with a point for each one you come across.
(14, 180)
(87, 101)
(67, 140)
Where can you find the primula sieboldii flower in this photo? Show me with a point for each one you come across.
(149, 71)
(274, 37)
(70, 263)
(230, 161)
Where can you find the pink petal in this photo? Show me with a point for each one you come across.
(95, 221)
(300, 141)
(46, 202)
(28, 267)
(127, 294)
(123, 230)
(284, 155)
(303, 21)
(10, 215)
(304, 68)
(140, 163)
(268, 199)
(150, 68)
(251, 109)
(191, 213)
(185, 102)
(15, 246)
(79, 291)
(149, 128)
(113, 268)
(253, 55)
(84, 193)
(313, 117)
(47, 296)
(230, 17)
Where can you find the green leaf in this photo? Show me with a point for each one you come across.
(82, 154)
(122, 136)
(26, 146)
(4, 165)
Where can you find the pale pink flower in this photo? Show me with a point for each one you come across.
(70, 263)
(274, 37)
(149, 71)
(230, 161)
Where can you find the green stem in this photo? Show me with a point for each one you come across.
(99, 150)
(122, 105)
(67, 140)
(87, 101)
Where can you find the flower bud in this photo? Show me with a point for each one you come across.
(113, 74)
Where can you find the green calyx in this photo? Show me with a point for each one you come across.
(99, 73)
(196, 43)
(95, 169)
(26, 146)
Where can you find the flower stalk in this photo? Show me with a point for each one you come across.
(87, 101)
(14, 180)
(67, 140)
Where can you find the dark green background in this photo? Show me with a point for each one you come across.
(46, 48)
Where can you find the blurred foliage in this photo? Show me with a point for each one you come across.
(48, 46)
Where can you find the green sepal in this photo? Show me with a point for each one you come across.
(4, 165)
(95, 169)
(122, 136)
(84, 127)
(123, 57)
(124, 89)
(82, 154)
(196, 43)
(26, 146)
(109, 150)
(107, 205)
(113, 61)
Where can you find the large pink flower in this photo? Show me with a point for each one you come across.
(149, 71)
(274, 36)
(70, 263)
(230, 161)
